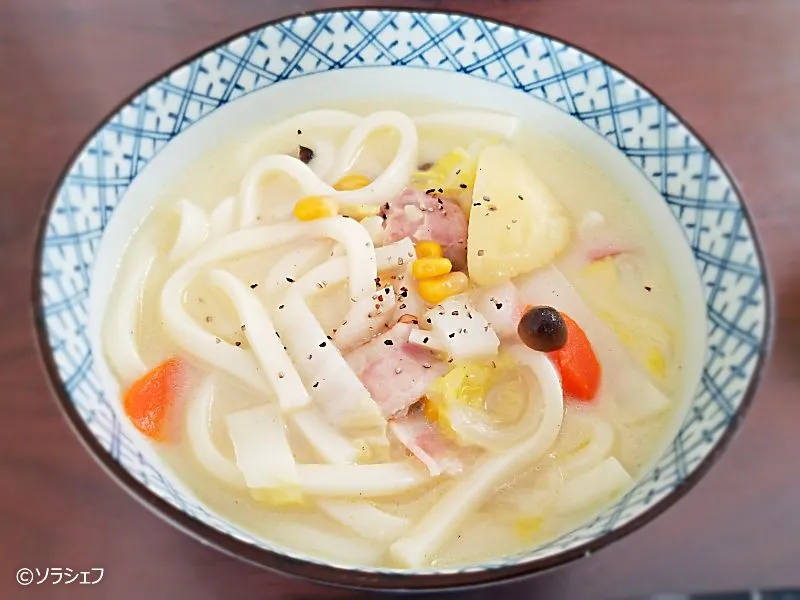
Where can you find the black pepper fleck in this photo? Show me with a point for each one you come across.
(290, 280)
(253, 286)
(322, 344)
(388, 343)
(237, 343)
(451, 335)
(463, 186)
(648, 288)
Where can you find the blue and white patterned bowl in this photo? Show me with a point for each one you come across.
(341, 55)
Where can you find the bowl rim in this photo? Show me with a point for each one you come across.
(337, 576)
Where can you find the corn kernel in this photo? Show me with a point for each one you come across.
(349, 183)
(429, 249)
(425, 268)
(438, 289)
(528, 527)
(314, 207)
(359, 212)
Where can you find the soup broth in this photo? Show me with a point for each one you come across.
(466, 444)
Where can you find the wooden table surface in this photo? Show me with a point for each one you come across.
(730, 67)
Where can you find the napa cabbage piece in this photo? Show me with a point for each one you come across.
(198, 433)
(516, 223)
(263, 455)
(462, 330)
(483, 403)
(648, 340)
(452, 175)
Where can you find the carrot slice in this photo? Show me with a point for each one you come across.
(580, 370)
(148, 401)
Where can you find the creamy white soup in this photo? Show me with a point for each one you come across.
(398, 335)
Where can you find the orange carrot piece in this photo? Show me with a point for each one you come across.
(148, 401)
(580, 370)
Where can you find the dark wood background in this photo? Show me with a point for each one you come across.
(730, 67)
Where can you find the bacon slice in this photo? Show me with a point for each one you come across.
(395, 372)
(419, 216)
(426, 442)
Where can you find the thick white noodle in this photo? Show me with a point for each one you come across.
(308, 123)
(192, 230)
(364, 321)
(339, 549)
(483, 121)
(396, 174)
(198, 432)
(326, 441)
(427, 535)
(383, 188)
(601, 441)
(265, 342)
(388, 260)
(124, 310)
(358, 326)
(291, 167)
(329, 444)
(221, 220)
(366, 481)
(365, 519)
(201, 344)
(623, 382)
(292, 265)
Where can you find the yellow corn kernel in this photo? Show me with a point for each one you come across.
(429, 249)
(528, 527)
(438, 289)
(359, 211)
(425, 268)
(349, 183)
(656, 364)
(314, 207)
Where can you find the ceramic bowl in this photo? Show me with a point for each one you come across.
(274, 70)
